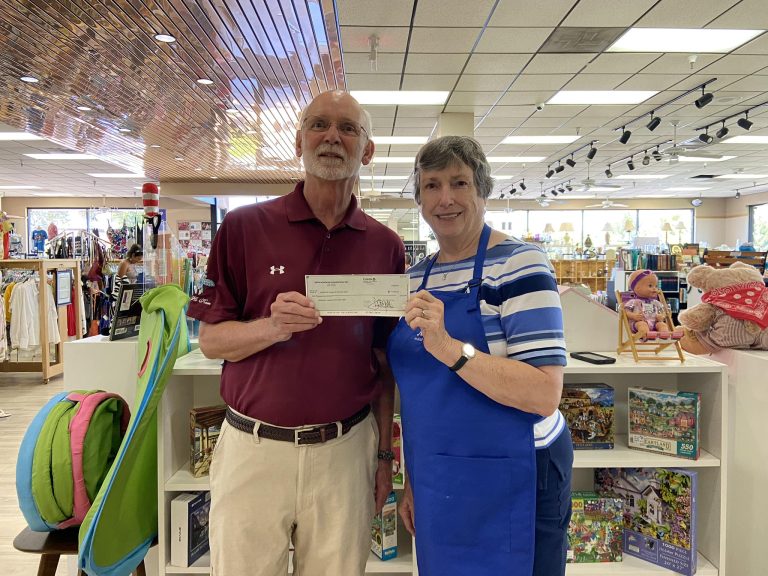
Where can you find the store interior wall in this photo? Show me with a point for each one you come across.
(737, 215)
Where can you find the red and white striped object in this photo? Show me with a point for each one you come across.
(150, 198)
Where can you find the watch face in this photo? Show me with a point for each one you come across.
(468, 350)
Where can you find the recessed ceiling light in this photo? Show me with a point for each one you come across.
(566, 139)
(685, 189)
(395, 159)
(62, 156)
(642, 176)
(600, 189)
(154, 145)
(165, 38)
(586, 97)
(115, 175)
(514, 159)
(746, 140)
(18, 187)
(204, 81)
(18, 136)
(400, 139)
(29, 79)
(742, 176)
(84, 108)
(399, 97)
(214, 177)
(124, 130)
(198, 169)
(704, 159)
(178, 158)
(689, 40)
(378, 177)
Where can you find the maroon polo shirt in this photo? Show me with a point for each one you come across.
(321, 375)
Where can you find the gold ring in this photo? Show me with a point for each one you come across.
(423, 313)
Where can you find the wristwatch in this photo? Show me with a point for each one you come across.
(387, 455)
(467, 353)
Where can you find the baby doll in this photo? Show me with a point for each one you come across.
(645, 311)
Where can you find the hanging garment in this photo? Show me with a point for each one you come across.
(122, 522)
(25, 316)
(471, 461)
(3, 336)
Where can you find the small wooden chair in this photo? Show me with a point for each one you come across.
(51, 546)
(646, 349)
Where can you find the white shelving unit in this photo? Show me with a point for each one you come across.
(195, 383)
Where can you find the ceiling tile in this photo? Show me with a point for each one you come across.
(386, 63)
(595, 81)
(496, 63)
(512, 40)
(443, 40)
(484, 82)
(429, 81)
(620, 63)
(557, 63)
(596, 13)
(356, 38)
(435, 63)
(757, 46)
(536, 82)
(520, 13)
(737, 64)
(459, 98)
(684, 13)
(658, 82)
(374, 12)
(373, 81)
(746, 11)
(468, 14)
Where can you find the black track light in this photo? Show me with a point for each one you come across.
(646, 159)
(522, 185)
(561, 189)
(571, 162)
(723, 132)
(704, 99)
(624, 138)
(501, 196)
(592, 152)
(631, 163)
(559, 168)
(705, 137)
(569, 187)
(738, 195)
(744, 122)
(550, 172)
(657, 155)
(608, 173)
(513, 191)
(654, 123)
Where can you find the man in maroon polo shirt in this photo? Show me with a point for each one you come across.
(305, 452)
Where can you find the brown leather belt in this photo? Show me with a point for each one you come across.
(299, 436)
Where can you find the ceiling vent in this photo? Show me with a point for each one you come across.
(580, 40)
(704, 176)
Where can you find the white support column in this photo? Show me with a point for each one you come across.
(455, 124)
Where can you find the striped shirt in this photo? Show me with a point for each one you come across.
(520, 308)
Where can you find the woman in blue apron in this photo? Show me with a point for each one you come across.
(478, 360)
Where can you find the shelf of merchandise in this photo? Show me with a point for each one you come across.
(583, 272)
(195, 382)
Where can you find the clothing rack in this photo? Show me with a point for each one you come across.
(43, 267)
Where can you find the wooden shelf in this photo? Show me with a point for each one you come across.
(632, 566)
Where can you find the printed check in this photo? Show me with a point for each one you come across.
(358, 294)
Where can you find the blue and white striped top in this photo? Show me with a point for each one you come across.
(520, 307)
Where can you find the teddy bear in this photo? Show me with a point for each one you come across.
(733, 312)
(644, 310)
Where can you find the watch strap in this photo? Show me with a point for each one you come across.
(459, 363)
(387, 455)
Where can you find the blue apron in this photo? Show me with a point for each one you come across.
(471, 461)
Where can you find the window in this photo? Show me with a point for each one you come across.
(63, 218)
(565, 223)
(102, 219)
(758, 226)
(511, 222)
(651, 225)
(609, 227)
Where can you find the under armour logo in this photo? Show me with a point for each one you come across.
(278, 269)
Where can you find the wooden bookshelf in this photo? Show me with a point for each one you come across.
(592, 273)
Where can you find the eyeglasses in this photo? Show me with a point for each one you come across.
(345, 127)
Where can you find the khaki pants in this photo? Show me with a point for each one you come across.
(267, 492)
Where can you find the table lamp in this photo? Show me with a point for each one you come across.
(566, 227)
(548, 229)
(666, 228)
(607, 229)
(680, 227)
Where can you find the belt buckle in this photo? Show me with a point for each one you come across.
(299, 431)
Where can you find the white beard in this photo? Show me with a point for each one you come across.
(327, 168)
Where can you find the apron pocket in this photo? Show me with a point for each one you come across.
(466, 502)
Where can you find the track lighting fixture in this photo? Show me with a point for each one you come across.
(570, 161)
(704, 99)
(501, 196)
(592, 152)
(705, 137)
(569, 187)
(559, 168)
(608, 173)
(550, 172)
(625, 135)
(654, 123)
(744, 122)
(738, 195)
(522, 185)
(561, 189)
(657, 154)
(646, 159)
(723, 132)
(631, 163)
(513, 191)
(553, 192)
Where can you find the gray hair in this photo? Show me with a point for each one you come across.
(451, 150)
(365, 117)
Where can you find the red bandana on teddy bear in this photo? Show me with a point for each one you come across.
(748, 301)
